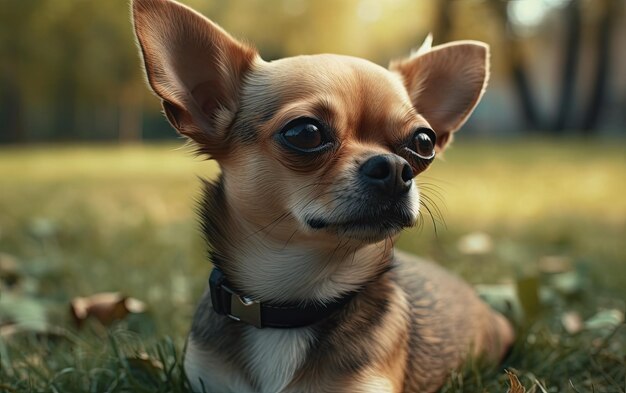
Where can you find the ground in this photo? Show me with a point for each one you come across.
(538, 226)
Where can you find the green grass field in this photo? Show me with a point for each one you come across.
(550, 218)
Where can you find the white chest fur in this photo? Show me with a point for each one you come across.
(208, 373)
(272, 357)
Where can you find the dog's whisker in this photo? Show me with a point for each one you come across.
(329, 203)
(420, 221)
(289, 239)
(435, 207)
(276, 224)
(314, 184)
(432, 218)
(256, 232)
(314, 199)
(341, 243)
(433, 190)
(434, 215)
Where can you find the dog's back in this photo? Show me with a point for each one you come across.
(447, 322)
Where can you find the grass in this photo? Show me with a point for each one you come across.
(82, 219)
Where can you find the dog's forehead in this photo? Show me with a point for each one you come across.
(326, 73)
(356, 87)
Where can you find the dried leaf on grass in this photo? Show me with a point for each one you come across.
(142, 366)
(503, 298)
(146, 360)
(50, 333)
(553, 264)
(27, 313)
(9, 271)
(528, 294)
(567, 283)
(515, 384)
(605, 319)
(106, 307)
(572, 322)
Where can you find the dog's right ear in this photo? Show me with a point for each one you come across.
(194, 66)
(445, 83)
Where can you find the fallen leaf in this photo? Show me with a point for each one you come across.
(551, 264)
(9, 271)
(106, 307)
(144, 360)
(605, 319)
(43, 227)
(503, 298)
(50, 333)
(528, 294)
(146, 370)
(516, 386)
(572, 322)
(475, 243)
(568, 283)
(135, 306)
(27, 313)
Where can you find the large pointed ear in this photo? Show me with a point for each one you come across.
(445, 83)
(194, 66)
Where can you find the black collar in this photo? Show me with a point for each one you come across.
(228, 302)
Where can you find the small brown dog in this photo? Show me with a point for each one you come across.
(318, 155)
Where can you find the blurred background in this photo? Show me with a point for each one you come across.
(98, 236)
(70, 70)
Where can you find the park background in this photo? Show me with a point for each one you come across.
(97, 192)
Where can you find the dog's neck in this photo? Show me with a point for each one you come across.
(266, 267)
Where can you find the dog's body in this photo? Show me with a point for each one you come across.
(404, 332)
(318, 155)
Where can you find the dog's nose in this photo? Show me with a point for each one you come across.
(388, 173)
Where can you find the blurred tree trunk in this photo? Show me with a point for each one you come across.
(65, 108)
(67, 89)
(130, 115)
(523, 88)
(11, 109)
(517, 66)
(600, 84)
(569, 67)
(15, 23)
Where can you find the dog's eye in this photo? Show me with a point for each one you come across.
(304, 136)
(424, 140)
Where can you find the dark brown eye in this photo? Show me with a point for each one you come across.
(424, 140)
(304, 136)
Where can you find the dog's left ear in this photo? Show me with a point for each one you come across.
(445, 83)
(195, 67)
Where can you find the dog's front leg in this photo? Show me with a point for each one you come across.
(387, 376)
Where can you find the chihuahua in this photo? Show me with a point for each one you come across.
(318, 156)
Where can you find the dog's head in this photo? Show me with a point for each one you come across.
(331, 144)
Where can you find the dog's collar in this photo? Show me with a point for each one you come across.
(228, 302)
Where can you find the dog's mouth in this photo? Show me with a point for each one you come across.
(366, 225)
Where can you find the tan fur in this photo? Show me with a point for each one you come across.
(411, 322)
(393, 335)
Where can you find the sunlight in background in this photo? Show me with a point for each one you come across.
(527, 12)
(369, 10)
(72, 72)
(530, 13)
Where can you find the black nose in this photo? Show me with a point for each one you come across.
(387, 173)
